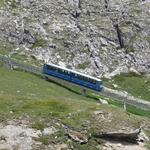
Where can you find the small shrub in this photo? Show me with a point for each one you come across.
(38, 126)
(83, 65)
(38, 43)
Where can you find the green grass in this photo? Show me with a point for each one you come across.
(83, 65)
(31, 60)
(6, 47)
(38, 125)
(26, 94)
(131, 109)
(39, 43)
(4, 3)
(138, 86)
(1, 3)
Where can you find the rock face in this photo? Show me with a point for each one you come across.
(130, 136)
(78, 137)
(96, 37)
(18, 137)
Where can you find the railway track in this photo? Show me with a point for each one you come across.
(124, 97)
(11, 64)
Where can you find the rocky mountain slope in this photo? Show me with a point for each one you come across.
(96, 37)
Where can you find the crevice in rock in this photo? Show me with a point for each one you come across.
(14, 35)
(79, 4)
(133, 58)
(106, 3)
(79, 26)
(76, 14)
(92, 56)
(88, 48)
(27, 37)
(96, 64)
(119, 35)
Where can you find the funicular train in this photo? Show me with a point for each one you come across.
(74, 77)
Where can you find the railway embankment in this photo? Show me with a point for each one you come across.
(11, 63)
(125, 98)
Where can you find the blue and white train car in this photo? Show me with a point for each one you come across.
(73, 77)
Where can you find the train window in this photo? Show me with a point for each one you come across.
(51, 68)
(82, 78)
(59, 70)
(94, 81)
(90, 80)
(85, 79)
(72, 74)
(64, 72)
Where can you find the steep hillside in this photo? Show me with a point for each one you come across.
(36, 114)
(96, 37)
(102, 38)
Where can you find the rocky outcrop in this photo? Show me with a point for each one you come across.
(129, 136)
(81, 138)
(96, 37)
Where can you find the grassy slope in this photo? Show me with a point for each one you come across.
(23, 92)
(138, 86)
(23, 95)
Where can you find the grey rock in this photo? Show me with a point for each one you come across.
(77, 136)
(49, 131)
(107, 38)
(103, 101)
(125, 135)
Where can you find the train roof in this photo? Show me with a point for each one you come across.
(82, 74)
